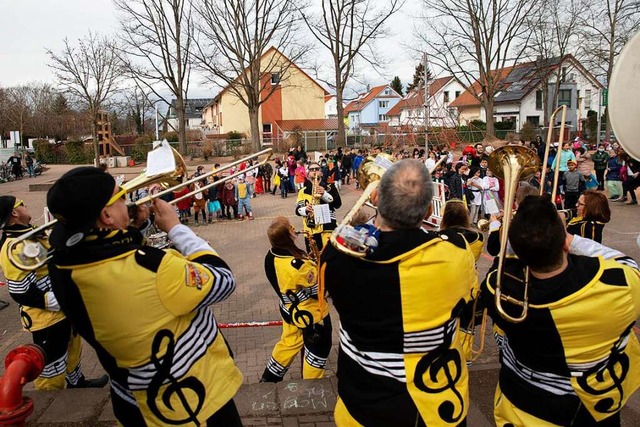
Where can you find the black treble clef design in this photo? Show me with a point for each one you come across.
(299, 316)
(433, 363)
(438, 361)
(163, 367)
(618, 362)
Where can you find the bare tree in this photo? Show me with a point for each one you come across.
(17, 111)
(234, 35)
(89, 73)
(607, 26)
(349, 29)
(554, 34)
(156, 46)
(473, 39)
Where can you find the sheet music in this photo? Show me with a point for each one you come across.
(160, 160)
(322, 214)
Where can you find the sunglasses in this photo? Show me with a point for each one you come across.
(314, 169)
(19, 202)
(119, 195)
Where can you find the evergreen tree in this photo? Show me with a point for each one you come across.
(417, 77)
(396, 85)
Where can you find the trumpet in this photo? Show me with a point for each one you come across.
(165, 166)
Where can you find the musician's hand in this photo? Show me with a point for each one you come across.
(319, 191)
(166, 217)
(142, 214)
(309, 209)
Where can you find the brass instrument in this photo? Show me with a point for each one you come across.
(512, 163)
(315, 199)
(164, 166)
(345, 237)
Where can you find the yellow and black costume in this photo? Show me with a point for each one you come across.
(304, 322)
(320, 232)
(146, 313)
(575, 360)
(400, 361)
(41, 315)
(589, 229)
(474, 238)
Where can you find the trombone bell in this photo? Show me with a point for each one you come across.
(512, 163)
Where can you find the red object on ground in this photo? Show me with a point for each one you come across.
(22, 365)
(249, 324)
(131, 162)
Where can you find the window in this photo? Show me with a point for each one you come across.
(383, 118)
(383, 104)
(387, 92)
(587, 98)
(266, 129)
(275, 78)
(446, 96)
(564, 97)
(457, 93)
(534, 120)
(538, 100)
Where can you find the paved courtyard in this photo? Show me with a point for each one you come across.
(243, 245)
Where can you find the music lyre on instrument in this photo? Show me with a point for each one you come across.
(164, 166)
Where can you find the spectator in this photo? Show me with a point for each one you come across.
(593, 213)
(600, 159)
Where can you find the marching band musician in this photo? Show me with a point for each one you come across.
(144, 310)
(575, 359)
(39, 308)
(593, 213)
(324, 194)
(304, 321)
(400, 361)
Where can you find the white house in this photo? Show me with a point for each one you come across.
(371, 108)
(192, 114)
(442, 92)
(520, 99)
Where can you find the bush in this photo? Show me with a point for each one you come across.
(142, 145)
(76, 154)
(503, 128)
(234, 135)
(44, 151)
(170, 136)
(528, 132)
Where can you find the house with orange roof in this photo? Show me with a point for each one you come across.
(297, 101)
(520, 95)
(370, 109)
(442, 92)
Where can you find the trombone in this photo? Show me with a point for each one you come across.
(33, 254)
(511, 163)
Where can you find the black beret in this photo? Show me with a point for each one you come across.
(76, 200)
(6, 207)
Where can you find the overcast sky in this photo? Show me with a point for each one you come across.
(30, 26)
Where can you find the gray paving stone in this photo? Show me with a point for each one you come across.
(257, 400)
(79, 407)
(41, 401)
(306, 397)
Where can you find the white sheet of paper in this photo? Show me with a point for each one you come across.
(160, 160)
(322, 214)
(491, 207)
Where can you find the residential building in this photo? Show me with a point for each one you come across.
(410, 110)
(520, 95)
(371, 109)
(192, 114)
(296, 97)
